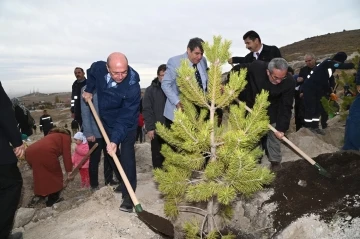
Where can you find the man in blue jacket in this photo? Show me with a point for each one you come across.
(118, 91)
(10, 177)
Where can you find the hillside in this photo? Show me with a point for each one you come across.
(38, 97)
(347, 41)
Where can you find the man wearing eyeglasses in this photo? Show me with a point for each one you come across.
(274, 78)
(118, 91)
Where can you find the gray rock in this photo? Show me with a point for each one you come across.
(44, 213)
(62, 206)
(23, 216)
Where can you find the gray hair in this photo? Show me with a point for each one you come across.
(278, 63)
(309, 54)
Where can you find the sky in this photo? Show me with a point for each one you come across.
(42, 41)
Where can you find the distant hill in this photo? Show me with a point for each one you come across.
(38, 97)
(329, 44)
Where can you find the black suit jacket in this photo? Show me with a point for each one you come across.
(280, 96)
(9, 133)
(267, 54)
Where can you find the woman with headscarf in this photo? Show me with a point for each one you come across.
(47, 173)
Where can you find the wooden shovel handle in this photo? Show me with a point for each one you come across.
(74, 171)
(305, 156)
(115, 158)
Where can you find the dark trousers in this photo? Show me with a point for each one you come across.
(157, 157)
(109, 165)
(127, 160)
(313, 108)
(299, 111)
(324, 117)
(10, 192)
(139, 134)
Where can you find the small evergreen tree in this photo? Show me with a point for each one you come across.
(205, 162)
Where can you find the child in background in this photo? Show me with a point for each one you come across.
(81, 149)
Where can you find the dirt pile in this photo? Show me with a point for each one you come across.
(300, 190)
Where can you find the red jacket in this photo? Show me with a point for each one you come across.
(141, 120)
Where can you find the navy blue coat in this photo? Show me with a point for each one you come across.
(318, 79)
(119, 105)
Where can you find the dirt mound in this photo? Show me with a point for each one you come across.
(300, 190)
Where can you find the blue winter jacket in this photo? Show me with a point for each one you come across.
(119, 105)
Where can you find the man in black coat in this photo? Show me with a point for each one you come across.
(299, 101)
(45, 123)
(79, 83)
(10, 177)
(274, 78)
(153, 106)
(317, 85)
(258, 51)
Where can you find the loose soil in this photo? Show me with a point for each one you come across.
(326, 197)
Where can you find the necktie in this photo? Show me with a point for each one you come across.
(257, 55)
(109, 84)
(198, 77)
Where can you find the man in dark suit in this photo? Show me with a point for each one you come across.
(274, 78)
(258, 51)
(10, 177)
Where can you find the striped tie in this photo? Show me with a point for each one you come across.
(198, 77)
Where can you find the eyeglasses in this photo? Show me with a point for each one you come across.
(277, 78)
(124, 73)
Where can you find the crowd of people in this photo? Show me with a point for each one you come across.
(113, 87)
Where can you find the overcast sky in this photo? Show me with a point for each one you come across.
(42, 41)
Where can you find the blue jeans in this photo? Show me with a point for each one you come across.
(126, 155)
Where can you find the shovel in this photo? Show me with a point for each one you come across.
(155, 222)
(75, 170)
(321, 170)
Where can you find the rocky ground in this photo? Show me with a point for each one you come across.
(299, 204)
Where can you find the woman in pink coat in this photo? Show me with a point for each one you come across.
(81, 149)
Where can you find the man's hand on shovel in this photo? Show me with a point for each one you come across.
(87, 96)
(111, 148)
(279, 135)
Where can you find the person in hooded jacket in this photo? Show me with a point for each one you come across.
(315, 86)
(153, 111)
(118, 90)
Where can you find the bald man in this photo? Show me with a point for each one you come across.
(118, 90)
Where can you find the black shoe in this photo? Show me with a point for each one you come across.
(274, 165)
(126, 205)
(317, 131)
(16, 235)
(93, 189)
(36, 200)
(117, 189)
(112, 183)
(53, 198)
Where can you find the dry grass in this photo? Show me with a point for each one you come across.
(348, 41)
